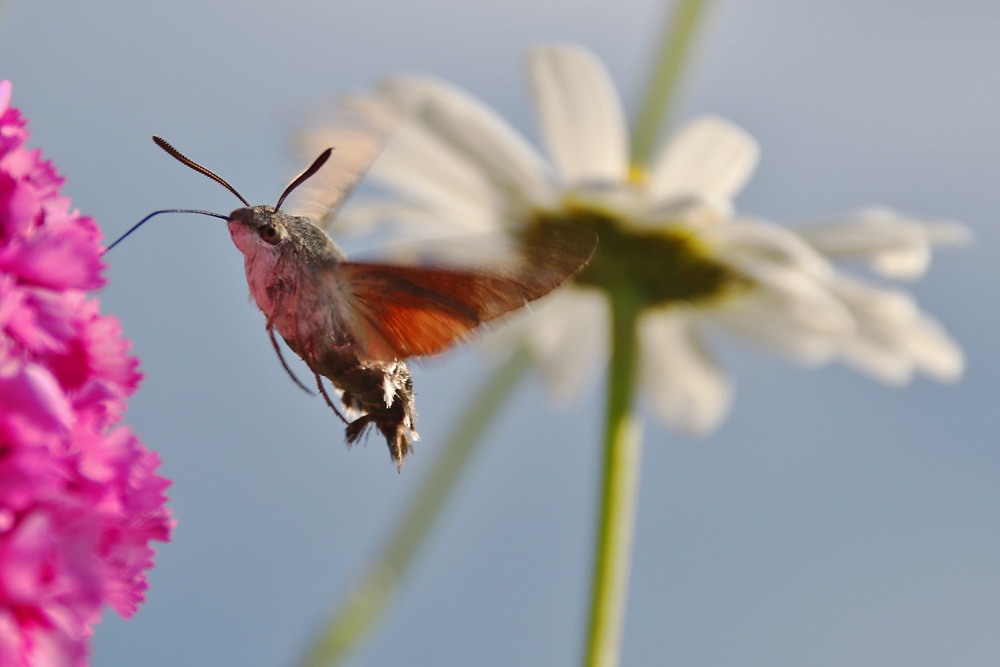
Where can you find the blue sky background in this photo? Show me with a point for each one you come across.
(831, 521)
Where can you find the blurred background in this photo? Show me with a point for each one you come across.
(831, 521)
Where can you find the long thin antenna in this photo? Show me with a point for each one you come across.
(166, 210)
(176, 154)
(301, 178)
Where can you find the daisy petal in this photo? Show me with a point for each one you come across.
(428, 168)
(935, 352)
(472, 130)
(894, 338)
(567, 335)
(764, 318)
(687, 387)
(581, 117)
(356, 127)
(410, 219)
(893, 245)
(710, 157)
(789, 309)
(767, 243)
(806, 302)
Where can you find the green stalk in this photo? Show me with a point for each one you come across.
(619, 499)
(623, 437)
(664, 79)
(365, 605)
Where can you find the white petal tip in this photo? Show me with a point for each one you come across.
(581, 117)
(710, 156)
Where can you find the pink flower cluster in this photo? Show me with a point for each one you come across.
(79, 496)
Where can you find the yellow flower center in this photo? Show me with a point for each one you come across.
(660, 266)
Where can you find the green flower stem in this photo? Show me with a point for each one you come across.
(623, 436)
(622, 452)
(364, 606)
(664, 78)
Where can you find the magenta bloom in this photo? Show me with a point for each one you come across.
(79, 496)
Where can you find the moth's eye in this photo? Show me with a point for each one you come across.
(270, 234)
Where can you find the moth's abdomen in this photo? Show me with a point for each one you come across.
(382, 395)
(375, 394)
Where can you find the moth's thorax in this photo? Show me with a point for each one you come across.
(290, 266)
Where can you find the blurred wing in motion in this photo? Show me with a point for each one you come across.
(356, 128)
(396, 312)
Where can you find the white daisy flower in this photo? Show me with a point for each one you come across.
(670, 233)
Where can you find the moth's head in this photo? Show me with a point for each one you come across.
(260, 230)
(257, 228)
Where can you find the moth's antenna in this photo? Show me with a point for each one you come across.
(301, 178)
(167, 210)
(174, 153)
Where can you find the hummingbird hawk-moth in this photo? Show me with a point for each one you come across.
(355, 323)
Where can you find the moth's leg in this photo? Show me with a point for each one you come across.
(281, 358)
(308, 355)
(326, 396)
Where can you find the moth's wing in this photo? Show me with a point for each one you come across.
(557, 249)
(395, 312)
(356, 128)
